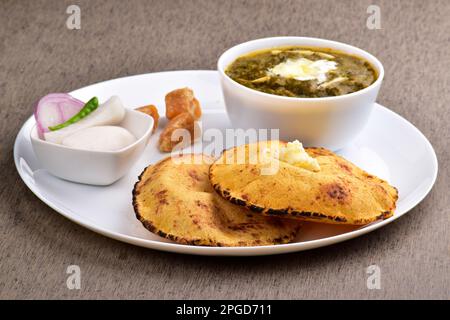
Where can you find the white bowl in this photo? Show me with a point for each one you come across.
(95, 167)
(330, 122)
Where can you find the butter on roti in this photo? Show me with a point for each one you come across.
(334, 191)
(175, 200)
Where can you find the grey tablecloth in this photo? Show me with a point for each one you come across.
(38, 55)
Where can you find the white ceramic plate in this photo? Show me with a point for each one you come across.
(389, 147)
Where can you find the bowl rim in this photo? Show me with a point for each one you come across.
(377, 64)
(34, 138)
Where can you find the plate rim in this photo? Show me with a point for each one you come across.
(222, 251)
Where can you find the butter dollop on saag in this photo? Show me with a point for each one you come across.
(302, 72)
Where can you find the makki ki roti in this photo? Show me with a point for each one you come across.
(339, 192)
(175, 200)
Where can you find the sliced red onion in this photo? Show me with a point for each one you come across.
(53, 109)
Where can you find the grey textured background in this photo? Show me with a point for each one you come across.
(38, 54)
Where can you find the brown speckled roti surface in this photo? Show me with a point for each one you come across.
(339, 193)
(175, 200)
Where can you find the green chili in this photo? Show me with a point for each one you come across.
(89, 107)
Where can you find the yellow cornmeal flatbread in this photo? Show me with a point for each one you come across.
(339, 193)
(176, 201)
